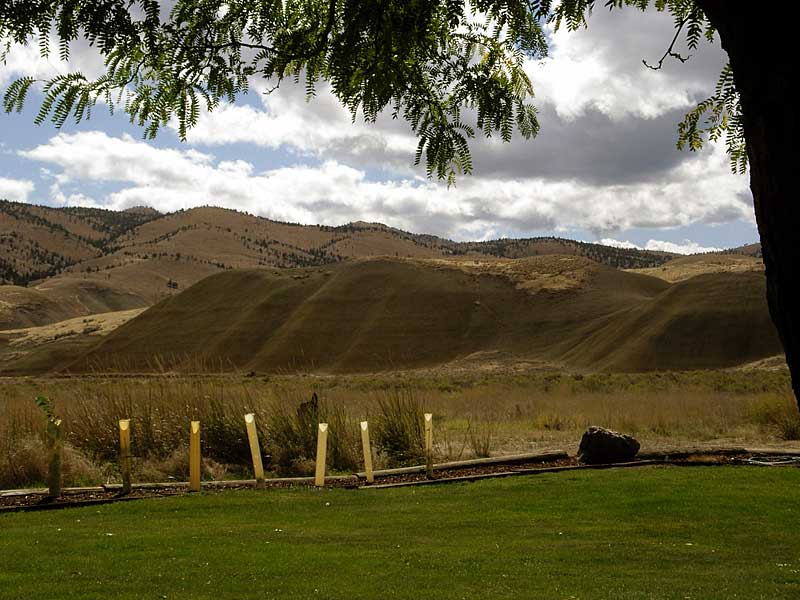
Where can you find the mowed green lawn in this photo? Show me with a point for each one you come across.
(721, 532)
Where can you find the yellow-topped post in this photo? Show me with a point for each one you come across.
(125, 454)
(255, 449)
(194, 457)
(322, 452)
(367, 451)
(429, 445)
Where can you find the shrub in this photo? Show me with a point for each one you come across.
(481, 439)
(343, 440)
(778, 413)
(25, 464)
(225, 436)
(292, 438)
(399, 430)
(451, 447)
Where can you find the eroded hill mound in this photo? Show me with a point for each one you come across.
(384, 314)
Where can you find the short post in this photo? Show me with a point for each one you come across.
(194, 457)
(322, 451)
(255, 449)
(429, 445)
(55, 448)
(125, 454)
(367, 452)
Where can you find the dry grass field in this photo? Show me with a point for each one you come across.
(474, 415)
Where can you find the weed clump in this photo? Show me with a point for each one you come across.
(399, 431)
(779, 415)
(292, 438)
(481, 439)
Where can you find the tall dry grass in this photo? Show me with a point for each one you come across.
(473, 416)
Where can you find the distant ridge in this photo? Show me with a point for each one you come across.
(38, 242)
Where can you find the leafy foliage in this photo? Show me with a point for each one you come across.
(723, 115)
(449, 68)
(425, 61)
(46, 406)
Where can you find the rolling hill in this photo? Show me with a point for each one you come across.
(230, 290)
(394, 314)
(61, 298)
(686, 267)
(137, 257)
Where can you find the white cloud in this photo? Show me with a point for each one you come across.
(687, 247)
(26, 61)
(17, 190)
(59, 198)
(170, 179)
(618, 243)
(316, 128)
(600, 67)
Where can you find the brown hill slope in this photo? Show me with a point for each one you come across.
(59, 299)
(39, 241)
(709, 321)
(374, 315)
(37, 349)
(143, 254)
(686, 267)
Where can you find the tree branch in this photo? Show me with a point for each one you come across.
(670, 52)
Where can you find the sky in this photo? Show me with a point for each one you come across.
(604, 167)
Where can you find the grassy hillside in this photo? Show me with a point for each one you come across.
(386, 314)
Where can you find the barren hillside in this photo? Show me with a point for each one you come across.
(387, 314)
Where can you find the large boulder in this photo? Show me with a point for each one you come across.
(602, 446)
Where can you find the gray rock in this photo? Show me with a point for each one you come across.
(602, 446)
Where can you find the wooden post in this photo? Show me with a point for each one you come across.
(429, 445)
(55, 448)
(194, 457)
(255, 449)
(367, 451)
(125, 454)
(322, 451)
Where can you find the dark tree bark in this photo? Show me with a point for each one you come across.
(757, 41)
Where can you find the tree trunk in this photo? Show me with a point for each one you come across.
(756, 39)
